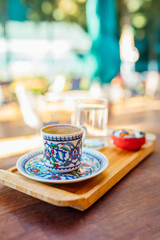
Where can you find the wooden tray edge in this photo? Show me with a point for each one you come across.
(115, 178)
(80, 202)
(34, 189)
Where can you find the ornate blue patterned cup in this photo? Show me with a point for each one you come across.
(62, 147)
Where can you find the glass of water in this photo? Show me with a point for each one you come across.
(93, 114)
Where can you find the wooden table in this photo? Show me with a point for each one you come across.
(130, 210)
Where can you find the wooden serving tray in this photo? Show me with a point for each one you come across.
(83, 194)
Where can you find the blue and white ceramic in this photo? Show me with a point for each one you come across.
(62, 152)
(32, 166)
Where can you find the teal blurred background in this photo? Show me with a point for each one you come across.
(55, 52)
(77, 38)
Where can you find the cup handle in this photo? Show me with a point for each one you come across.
(84, 133)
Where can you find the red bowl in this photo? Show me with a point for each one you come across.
(130, 144)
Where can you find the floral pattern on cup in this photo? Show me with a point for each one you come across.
(62, 155)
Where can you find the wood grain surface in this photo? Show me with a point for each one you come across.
(130, 210)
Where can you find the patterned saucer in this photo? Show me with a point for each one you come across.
(32, 166)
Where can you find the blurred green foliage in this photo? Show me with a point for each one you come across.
(57, 10)
(144, 16)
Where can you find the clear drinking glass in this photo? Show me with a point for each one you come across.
(93, 114)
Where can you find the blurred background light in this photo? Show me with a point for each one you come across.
(46, 7)
(134, 5)
(68, 6)
(51, 51)
(81, 1)
(29, 115)
(58, 14)
(139, 20)
(128, 52)
(58, 85)
(95, 90)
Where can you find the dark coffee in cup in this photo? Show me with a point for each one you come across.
(61, 129)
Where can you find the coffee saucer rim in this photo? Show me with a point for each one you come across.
(27, 156)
